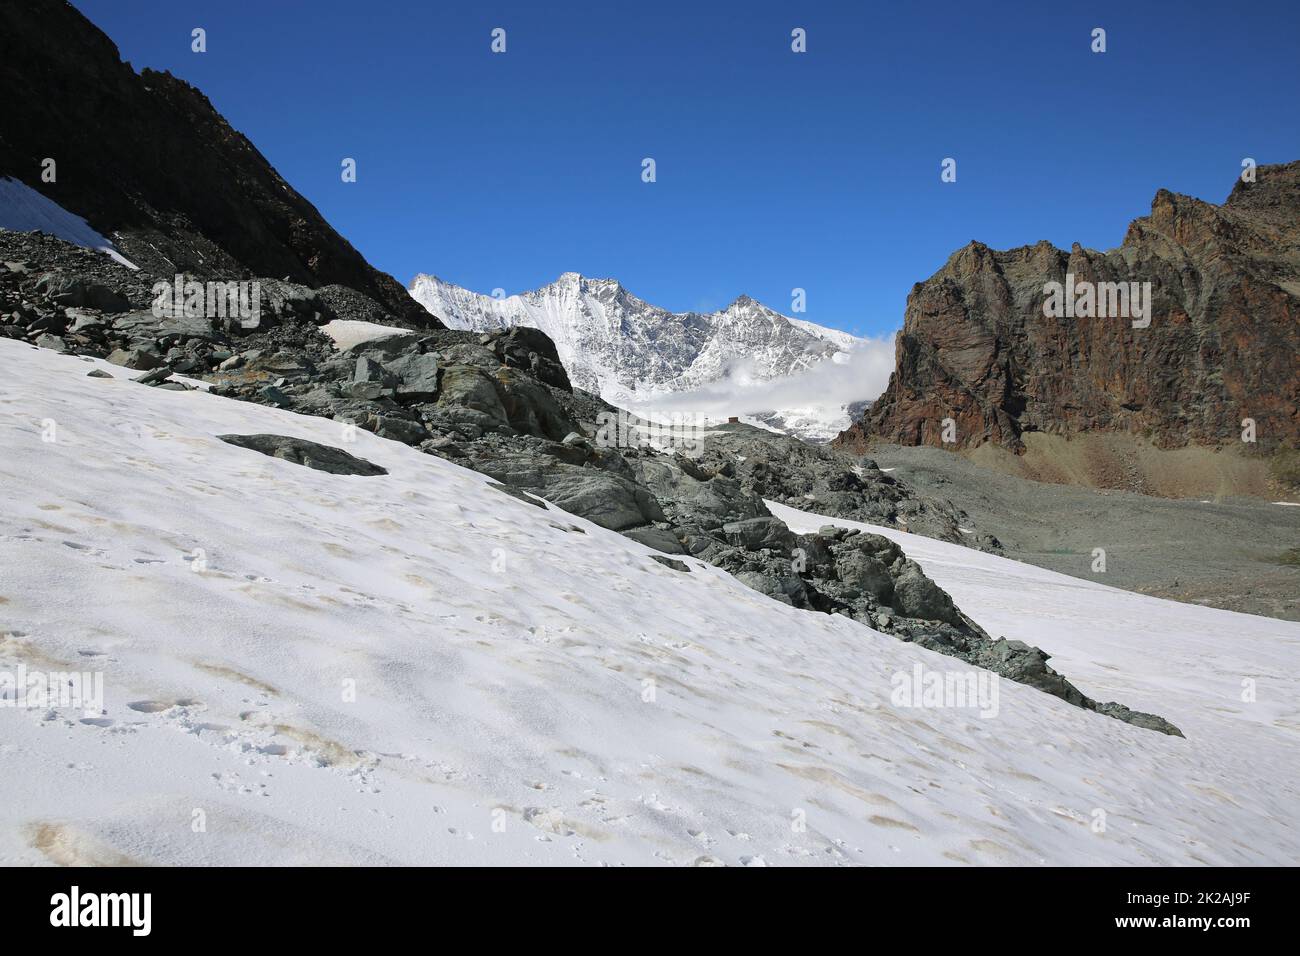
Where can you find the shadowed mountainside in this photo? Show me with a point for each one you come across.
(148, 161)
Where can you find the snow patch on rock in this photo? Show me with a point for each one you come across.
(23, 209)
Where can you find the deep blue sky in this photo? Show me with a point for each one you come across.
(775, 170)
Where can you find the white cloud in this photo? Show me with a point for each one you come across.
(821, 391)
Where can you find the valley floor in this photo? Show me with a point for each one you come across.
(415, 668)
(1236, 553)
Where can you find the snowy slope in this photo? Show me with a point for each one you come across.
(841, 340)
(636, 355)
(1186, 661)
(23, 209)
(500, 661)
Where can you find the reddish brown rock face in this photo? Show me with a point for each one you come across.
(1222, 344)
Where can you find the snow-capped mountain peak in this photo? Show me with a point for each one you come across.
(626, 349)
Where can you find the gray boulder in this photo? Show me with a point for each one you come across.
(915, 595)
(658, 538)
(370, 380)
(756, 534)
(416, 375)
(529, 407)
(672, 563)
(136, 357)
(786, 588)
(608, 500)
(299, 451)
(75, 292)
(466, 353)
(275, 396)
(154, 377)
(864, 573)
(471, 387)
(388, 347)
(533, 351)
(83, 323)
(720, 497)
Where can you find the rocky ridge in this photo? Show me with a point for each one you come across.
(1221, 346)
(146, 160)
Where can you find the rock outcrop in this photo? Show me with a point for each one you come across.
(147, 160)
(1221, 344)
(311, 454)
(832, 482)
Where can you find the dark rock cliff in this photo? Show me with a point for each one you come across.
(147, 160)
(1221, 346)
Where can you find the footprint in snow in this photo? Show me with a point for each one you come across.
(231, 783)
(78, 546)
(158, 706)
